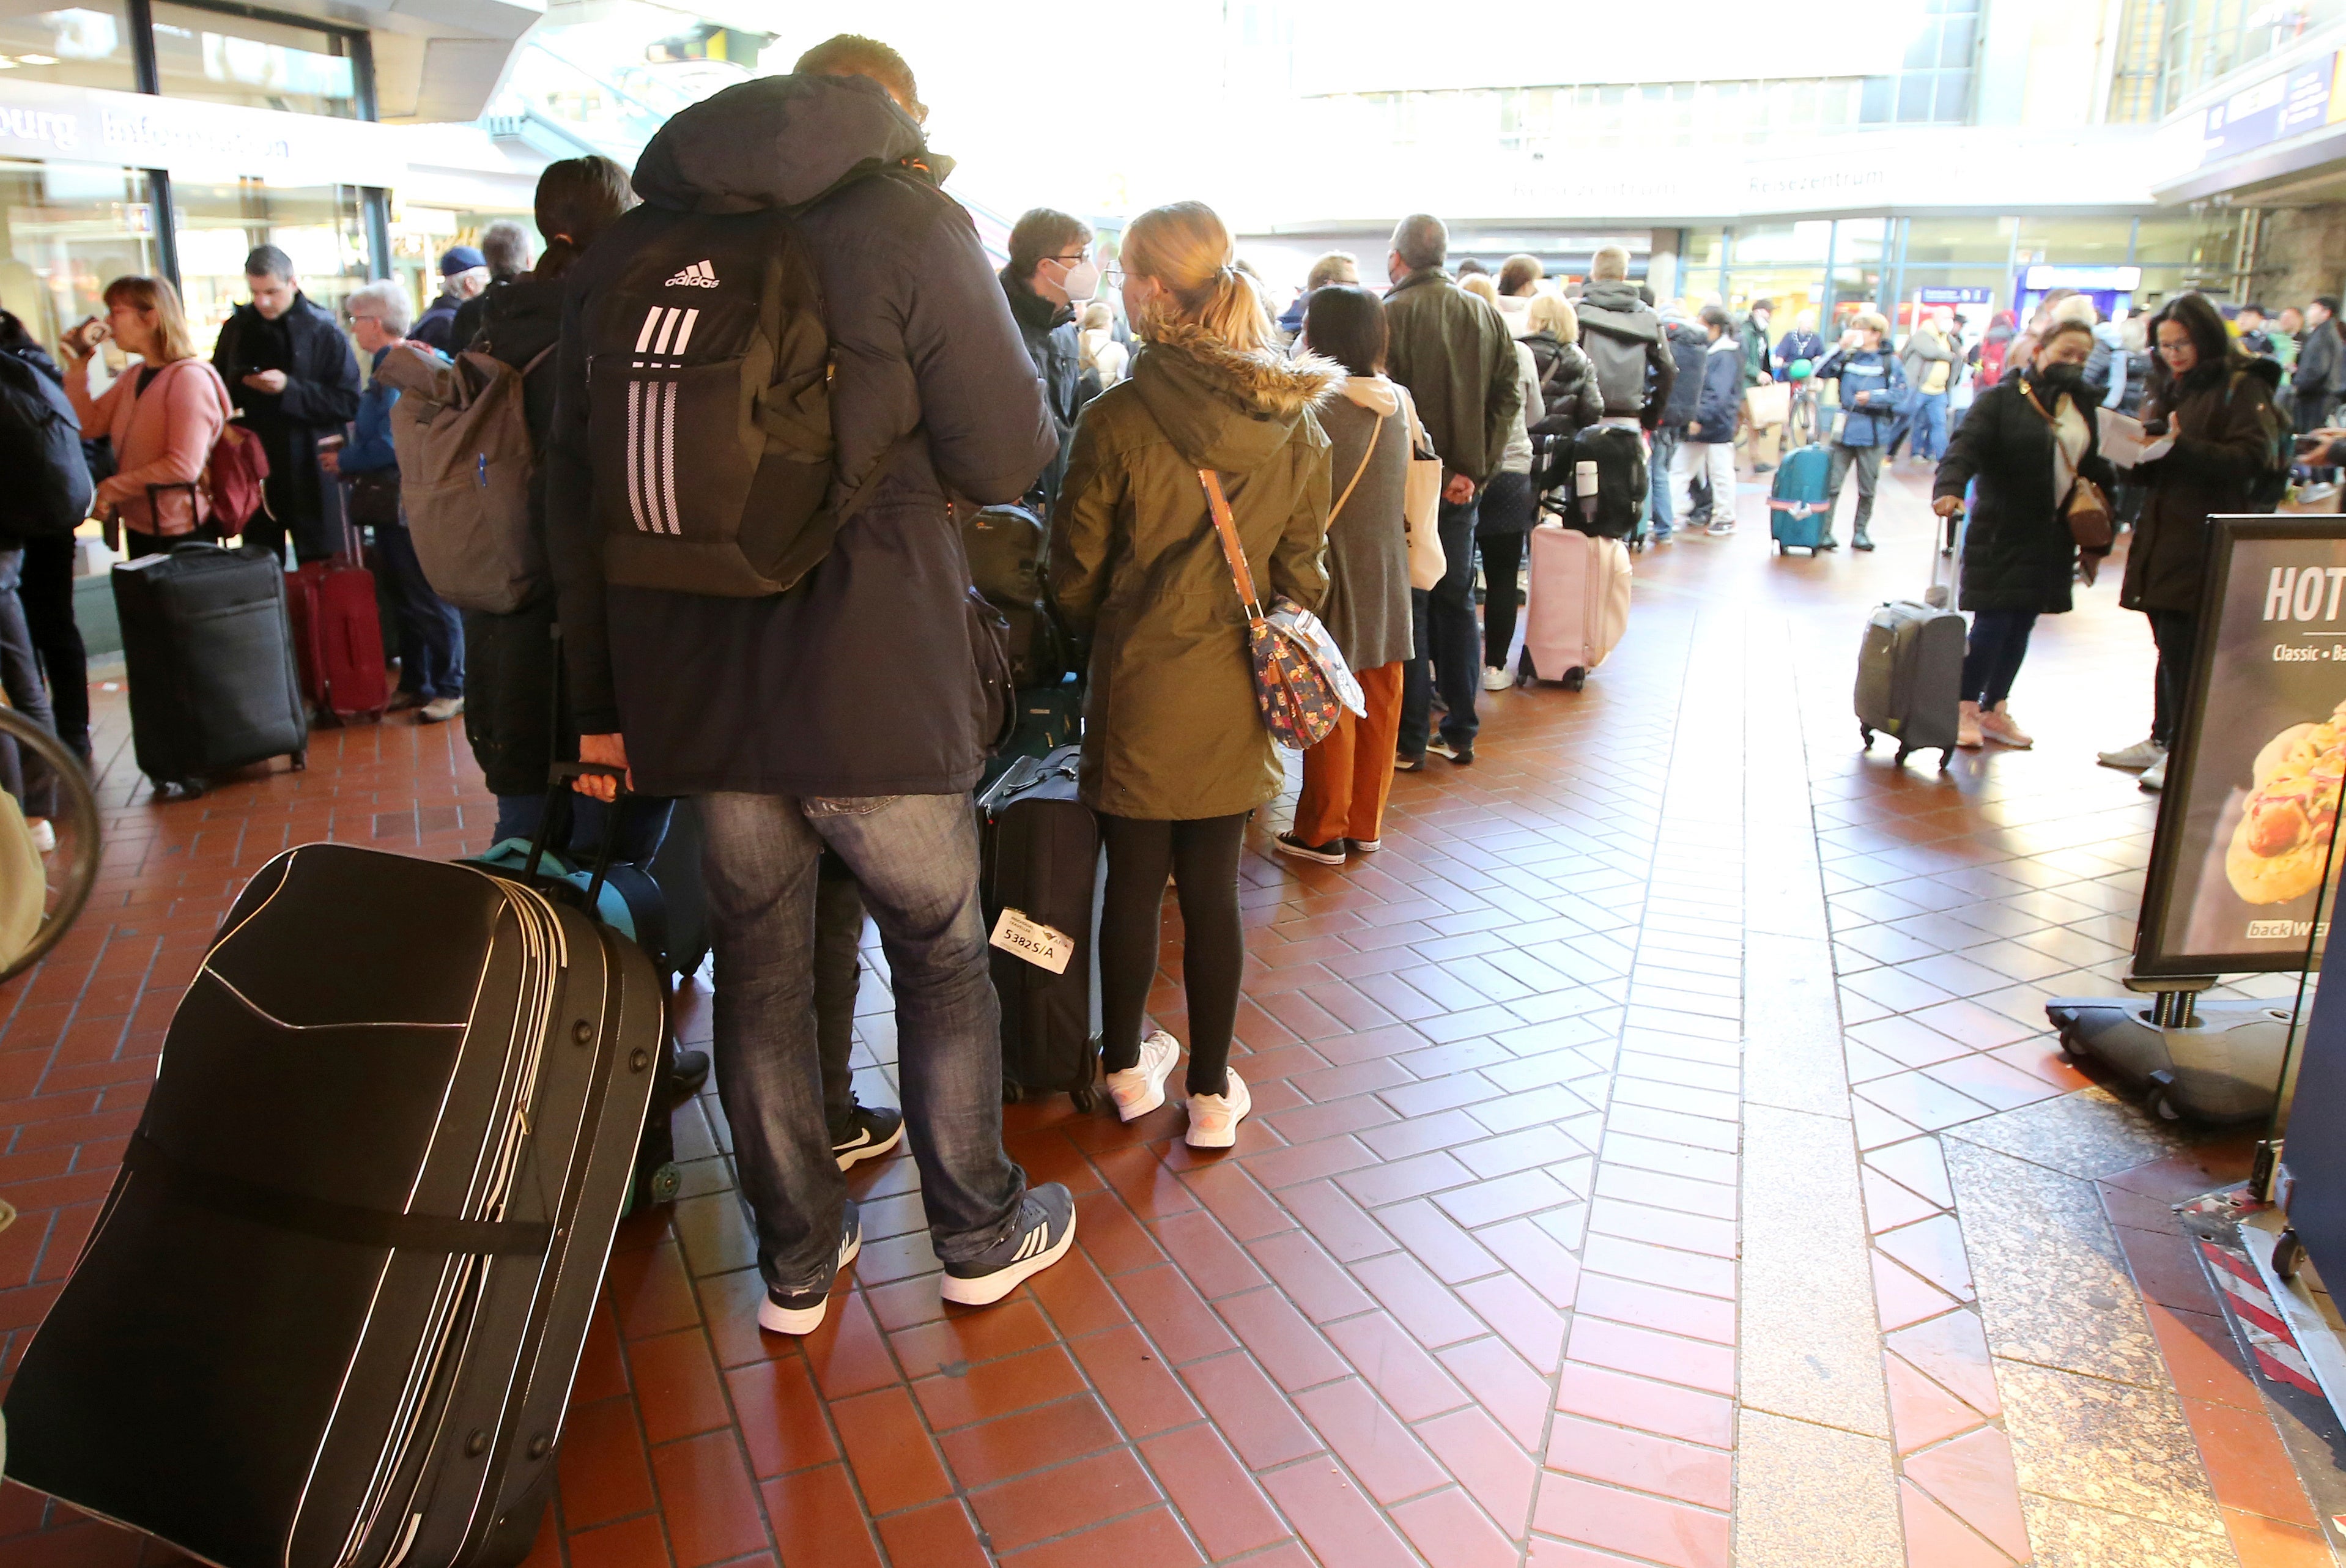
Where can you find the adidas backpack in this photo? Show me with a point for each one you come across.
(708, 377)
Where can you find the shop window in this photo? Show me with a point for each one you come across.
(76, 46)
(67, 231)
(319, 227)
(2076, 242)
(1959, 240)
(228, 59)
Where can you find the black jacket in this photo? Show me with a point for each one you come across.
(862, 681)
(1689, 345)
(320, 396)
(2017, 551)
(1049, 332)
(1622, 337)
(1569, 391)
(26, 509)
(1720, 399)
(2321, 369)
(2214, 413)
(437, 325)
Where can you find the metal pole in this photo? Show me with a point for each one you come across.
(1833, 248)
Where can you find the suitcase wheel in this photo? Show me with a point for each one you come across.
(1011, 1093)
(1903, 753)
(2287, 1254)
(1866, 732)
(1946, 758)
(2163, 1107)
(1576, 679)
(666, 1183)
(1087, 1099)
(301, 761)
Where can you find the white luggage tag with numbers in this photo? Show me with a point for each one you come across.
(1033, 941)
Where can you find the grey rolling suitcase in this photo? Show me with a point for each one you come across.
(206, 646)
(330, 1312)
(1909, 676)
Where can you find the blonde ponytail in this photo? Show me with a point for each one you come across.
(1186, 247)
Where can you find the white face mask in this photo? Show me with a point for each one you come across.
(1081, 282)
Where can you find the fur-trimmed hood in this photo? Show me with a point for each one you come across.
(1223, 408)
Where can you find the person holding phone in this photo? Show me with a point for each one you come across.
(163, 415)
(295, 379)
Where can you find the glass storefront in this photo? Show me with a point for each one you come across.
(232, 60)
(74, 46)
(68, 229)
(319, 227)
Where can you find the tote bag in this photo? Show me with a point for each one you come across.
(1420, 503)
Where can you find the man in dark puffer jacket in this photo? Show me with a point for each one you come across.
(843, 713)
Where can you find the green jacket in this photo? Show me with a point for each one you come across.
(1755, 352)
(1455, 356)
(1171, 731)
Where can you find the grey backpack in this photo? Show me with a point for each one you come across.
(467, 461)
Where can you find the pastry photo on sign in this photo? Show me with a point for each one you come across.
(2282, 840)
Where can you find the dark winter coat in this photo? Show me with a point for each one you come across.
(2017, 551)
(509, 676)
(1874, 375)
(1623, 338)
(20, 515)
(1690, 347)
(862, 681)
(1568, 394)
(1453, 353)
(2218, 451)
(437, 325)
(320, 396)
(2319, 374)
(1720, 399)
(1171, 730)
(1049, 332)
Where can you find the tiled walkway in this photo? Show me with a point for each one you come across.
(1659, 1158)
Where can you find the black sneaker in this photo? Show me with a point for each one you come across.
(685, 1079)
(878, 1129)
(1464, 756)
(802, 1313)
(1046, 1228)
(1331, 853)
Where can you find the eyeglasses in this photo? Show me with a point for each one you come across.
(356, 317)
(1113, 276)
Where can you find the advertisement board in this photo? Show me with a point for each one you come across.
(2274, 109)
(2253, 780)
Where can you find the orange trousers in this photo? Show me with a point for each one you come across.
(1347, 776)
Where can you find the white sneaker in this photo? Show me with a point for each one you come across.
(44, 837)
(2141, 754)
(802, 1313)
(1996, 724)
(1496, 679)
(1141, 1088)
(2154, 778)
(440, 709)
(1719, 530)
(1214, 1118)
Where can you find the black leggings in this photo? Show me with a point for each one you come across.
(2175, 632)
(1503, 561)
(1203, 856)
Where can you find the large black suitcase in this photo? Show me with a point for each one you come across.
(1040, 855)
(330, 1312)
(213, 685)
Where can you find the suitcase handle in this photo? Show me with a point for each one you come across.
(557, 778)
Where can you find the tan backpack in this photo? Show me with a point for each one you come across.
(466, 463)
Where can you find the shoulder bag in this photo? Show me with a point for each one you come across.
(2086, 510)
(1301, 682)
(1420, 503)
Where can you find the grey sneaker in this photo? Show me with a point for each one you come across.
(2140, 755)
(802, 1313)
(1045, 1229)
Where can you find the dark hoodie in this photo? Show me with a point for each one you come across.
(1171, 729)
(862, 681)
(1622, 337)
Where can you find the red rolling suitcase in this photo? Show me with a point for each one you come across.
(338, 635)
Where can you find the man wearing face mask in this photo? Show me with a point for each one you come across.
(1050, 277)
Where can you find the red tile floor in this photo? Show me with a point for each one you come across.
(1637, 1148)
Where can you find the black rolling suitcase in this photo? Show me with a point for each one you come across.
(205, 645)
(1040, 858)
(330, 1312)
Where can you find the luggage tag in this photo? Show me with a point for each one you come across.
(1033, 941)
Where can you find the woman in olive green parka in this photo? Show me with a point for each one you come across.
(1176, 756)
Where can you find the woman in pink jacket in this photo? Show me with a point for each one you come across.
(163, 415)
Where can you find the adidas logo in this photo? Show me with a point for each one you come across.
(699, 275)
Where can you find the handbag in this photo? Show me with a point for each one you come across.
(2092, 525)
(1420, 503)
(375, 499)
(1301, 682)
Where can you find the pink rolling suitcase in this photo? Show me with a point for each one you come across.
(1579, 605)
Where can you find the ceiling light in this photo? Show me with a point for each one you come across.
(37, 59)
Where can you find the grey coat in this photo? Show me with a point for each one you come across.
(1367, 608)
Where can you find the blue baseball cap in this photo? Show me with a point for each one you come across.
(461, 259)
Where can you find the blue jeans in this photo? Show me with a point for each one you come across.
(1929, 423)
(430, 632)
(915, 859)
(1991, 655)
(1448, 645)
(1658, 479)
